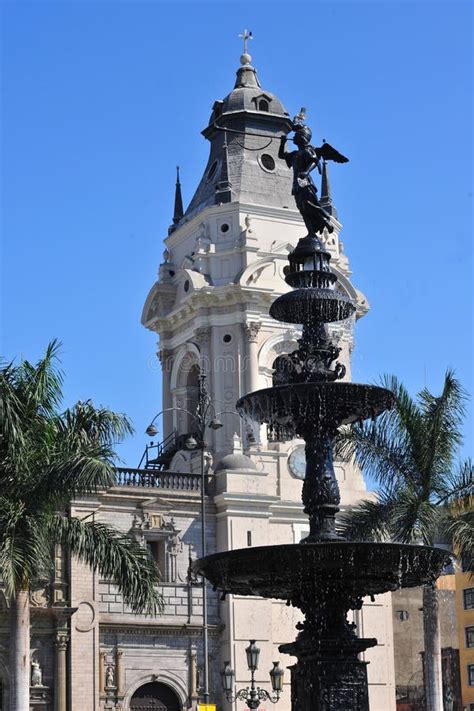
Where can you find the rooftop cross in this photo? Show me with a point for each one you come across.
(246, 36)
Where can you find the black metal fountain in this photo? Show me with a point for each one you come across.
(325, 576)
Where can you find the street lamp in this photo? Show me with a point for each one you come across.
(151, 430)
(252, 694)
(205, 417)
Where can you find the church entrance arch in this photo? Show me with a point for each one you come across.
(155, 696)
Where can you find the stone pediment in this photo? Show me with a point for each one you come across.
(265, 274)
(160, 301)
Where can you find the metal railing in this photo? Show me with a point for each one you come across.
(152, 479)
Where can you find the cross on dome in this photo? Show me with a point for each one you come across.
(246, 36)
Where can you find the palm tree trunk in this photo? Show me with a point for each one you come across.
(20, 621)
(432, 636)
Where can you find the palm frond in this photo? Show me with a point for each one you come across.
(24, 549)
(67, 478)
(115, 556)
(368, 521)
(40, 385)
(11, 416)
(458, 485)
(414, 519)
(86, 422)
(443, 417)
(378, 453)
(460, 527)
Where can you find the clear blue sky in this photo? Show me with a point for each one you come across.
(102, 100)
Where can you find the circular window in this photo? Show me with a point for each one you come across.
(212, 171)
(225, 227)
(227, 338)
(186, 285)
(267, 162)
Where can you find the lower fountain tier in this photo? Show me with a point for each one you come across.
(297, 407)
(318, 571)
(310, 305)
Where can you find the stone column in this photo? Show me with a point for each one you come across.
(251, 331)
(60, 682)
(166, 359)
(102, 673)
(119, 671)
(193, 691)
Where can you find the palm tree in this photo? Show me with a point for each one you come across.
(425, 496)
(47, 458)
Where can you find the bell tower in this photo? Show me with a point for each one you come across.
(222, 269)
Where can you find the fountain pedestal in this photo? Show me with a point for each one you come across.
(328, 676)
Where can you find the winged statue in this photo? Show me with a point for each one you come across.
(304, 160)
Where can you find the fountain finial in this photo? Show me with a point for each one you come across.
(303, 161)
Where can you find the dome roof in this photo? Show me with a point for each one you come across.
(234, 171)
(235, 461)
(247, 93)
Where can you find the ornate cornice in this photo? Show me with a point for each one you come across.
(147, 630)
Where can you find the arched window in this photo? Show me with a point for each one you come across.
(192, 386)
(185, 394)
(263, 105)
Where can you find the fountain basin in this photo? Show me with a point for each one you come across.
(312, 304)
(355, 568)
(297, 406)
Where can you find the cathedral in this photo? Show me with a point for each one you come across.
(222, 268)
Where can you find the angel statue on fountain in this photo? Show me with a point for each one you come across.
(305, 159)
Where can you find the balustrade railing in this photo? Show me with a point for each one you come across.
(153, 479)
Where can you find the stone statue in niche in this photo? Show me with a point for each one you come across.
(109, 676)
(36, 674)
(175, 547)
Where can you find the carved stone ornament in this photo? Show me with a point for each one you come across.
(202, 335)
(252, 330)
(40, 595)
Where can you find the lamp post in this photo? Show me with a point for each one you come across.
(252, 694)
(203, 409)
(205, 418)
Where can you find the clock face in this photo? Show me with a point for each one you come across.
(297, 463)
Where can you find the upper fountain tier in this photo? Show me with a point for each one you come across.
(304, 395)
(314, 298)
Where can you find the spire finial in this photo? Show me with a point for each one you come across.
(246, 36)
(326, 198)
(178, 200)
